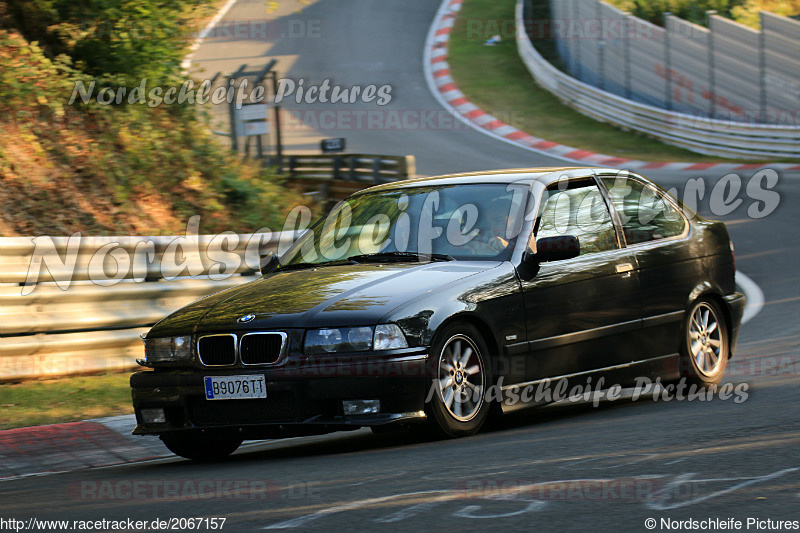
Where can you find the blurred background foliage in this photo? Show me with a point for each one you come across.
(115, 169)
(743, 11)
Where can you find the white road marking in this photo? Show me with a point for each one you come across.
(302, 520)
(408, 512)
(687, 478)
(187, 60)
(378, 478)
(755, 297)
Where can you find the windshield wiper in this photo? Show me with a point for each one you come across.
(300, 266)
(400, 257)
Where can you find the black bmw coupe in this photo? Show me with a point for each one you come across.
(427, 302)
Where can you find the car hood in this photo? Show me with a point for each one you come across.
(339, 295)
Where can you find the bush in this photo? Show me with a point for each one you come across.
(114, 169)
(748, 13)
(691, 10)
(117, 41)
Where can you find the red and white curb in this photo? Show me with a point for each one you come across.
(441, 84)
(55, 448)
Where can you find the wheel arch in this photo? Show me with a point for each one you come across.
(481, 325)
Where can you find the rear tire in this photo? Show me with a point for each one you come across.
(461, 378)
(199, 448)
(705, 347)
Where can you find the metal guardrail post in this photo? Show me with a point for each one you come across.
(337, 167)
(376, 169)
(352, 173)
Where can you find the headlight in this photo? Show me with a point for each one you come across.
(332, 340)
(389, 337)
(167, 349)
(360, 339)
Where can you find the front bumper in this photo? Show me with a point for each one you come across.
(300, 401)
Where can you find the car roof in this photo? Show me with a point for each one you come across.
(524, 176)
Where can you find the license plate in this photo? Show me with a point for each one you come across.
(235, 387)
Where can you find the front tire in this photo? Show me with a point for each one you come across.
(461, 377)
(705, 345)
(199, 448)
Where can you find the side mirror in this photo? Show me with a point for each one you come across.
(556, 249)
(268, 263)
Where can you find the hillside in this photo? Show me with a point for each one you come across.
(119, 168)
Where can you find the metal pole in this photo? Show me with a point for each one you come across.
(278, 142)
(232, 114)
(232, 108)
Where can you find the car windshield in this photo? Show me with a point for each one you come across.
(464, 222)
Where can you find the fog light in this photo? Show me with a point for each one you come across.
(361, 407)
(153, 416)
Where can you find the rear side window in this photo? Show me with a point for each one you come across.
(645, 214)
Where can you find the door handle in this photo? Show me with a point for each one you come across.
(624, 267)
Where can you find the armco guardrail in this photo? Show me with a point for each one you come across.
(74, 305)
(707, 136)
(78, 304)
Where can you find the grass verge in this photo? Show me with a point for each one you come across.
(495, 79)
(69, 399)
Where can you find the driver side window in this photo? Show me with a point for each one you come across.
(580, 211)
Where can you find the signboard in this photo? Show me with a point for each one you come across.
(329, 146)
(251, 120)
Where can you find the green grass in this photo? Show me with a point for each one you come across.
(495, 79)
(34, 403)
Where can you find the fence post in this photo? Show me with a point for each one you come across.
(762, 70)
(601, 49)
(626, 35)
(667, 62)
(711, 65)
(577, 55)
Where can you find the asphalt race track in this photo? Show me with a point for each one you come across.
(562, 468)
